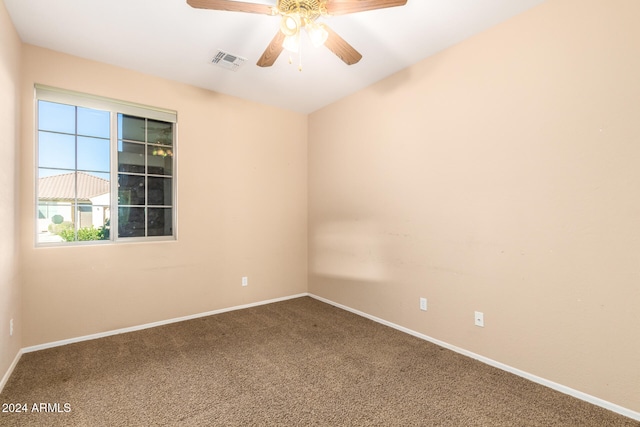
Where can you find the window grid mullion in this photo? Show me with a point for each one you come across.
(146, 176)
(76, 209)
(114, 209)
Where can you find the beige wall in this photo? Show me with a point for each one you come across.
(242, 204)
(10, 48)
(502, 176)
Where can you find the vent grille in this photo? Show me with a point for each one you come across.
(227, 60)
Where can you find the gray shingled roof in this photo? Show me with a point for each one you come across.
(62, 187)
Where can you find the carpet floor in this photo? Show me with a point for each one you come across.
(299, 362)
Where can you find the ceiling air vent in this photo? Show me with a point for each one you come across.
(226, 60)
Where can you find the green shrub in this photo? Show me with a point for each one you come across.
(69, 235)
(90, 233)
(57, 228)
(85, 234)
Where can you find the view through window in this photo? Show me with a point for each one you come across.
(103, 173)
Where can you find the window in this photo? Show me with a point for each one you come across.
(106, 169)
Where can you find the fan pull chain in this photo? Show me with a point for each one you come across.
(299, 59)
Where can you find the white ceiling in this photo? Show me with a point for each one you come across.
(170, 39)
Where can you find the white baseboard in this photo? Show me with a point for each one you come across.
(536, 379)
(10, 370)
(154, 324)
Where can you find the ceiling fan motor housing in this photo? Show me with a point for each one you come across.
(310, 9)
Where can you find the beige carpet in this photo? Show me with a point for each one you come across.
(294, 363)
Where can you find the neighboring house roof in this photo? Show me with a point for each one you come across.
(62, 187)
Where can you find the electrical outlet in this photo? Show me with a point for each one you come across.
(245, 281)
(423, 304)
(11, 327)
(479, 319)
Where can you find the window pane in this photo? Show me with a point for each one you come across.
(94, 188)
(54, 212)
(159, 222)
(55, 222)
(159, 160)
(56, 117)
(56, 150)
(90, 221)
(96, 216)
(130, 222)
(130, 157)
(43, 173)
(131, 128)
(57, 186)
(159, 191)
(93, 154)
(159, 132)
(93, 122)
(103, 175)
(130, 189)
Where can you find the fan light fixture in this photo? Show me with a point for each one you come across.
(292, 43)
(317, 33)
(290, 25)
(298, 15)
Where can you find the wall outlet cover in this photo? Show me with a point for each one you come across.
(479, 319)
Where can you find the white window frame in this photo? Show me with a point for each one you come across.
(114, 107)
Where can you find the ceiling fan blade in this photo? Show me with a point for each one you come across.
(341, 48)
(342, 7)
(272, 51)
(233, 6)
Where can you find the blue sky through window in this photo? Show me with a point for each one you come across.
(73, 138)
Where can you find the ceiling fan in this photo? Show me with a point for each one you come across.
(302, 14)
